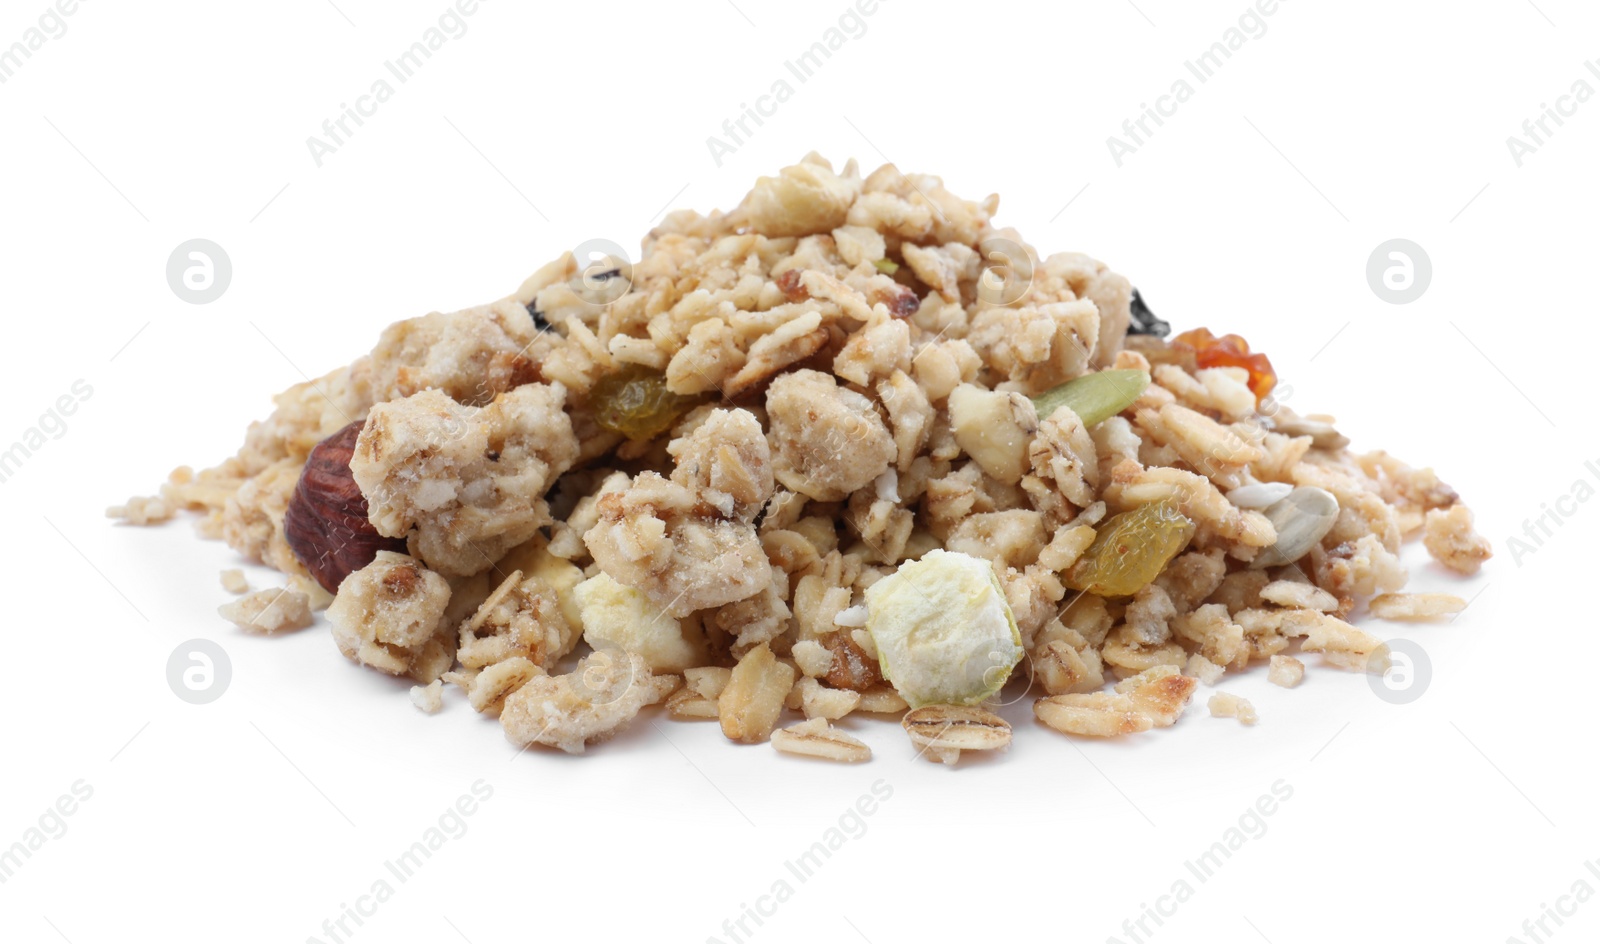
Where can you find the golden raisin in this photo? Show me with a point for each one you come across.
(1230, 350)
(1130, 551)
(634, 401)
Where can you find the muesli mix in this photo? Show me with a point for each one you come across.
(847, 449)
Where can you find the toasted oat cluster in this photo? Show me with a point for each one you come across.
(848, 449)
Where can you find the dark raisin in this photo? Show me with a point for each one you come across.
(538, 317)
(1144, 321)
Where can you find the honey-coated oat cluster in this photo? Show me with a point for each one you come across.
(847, 449)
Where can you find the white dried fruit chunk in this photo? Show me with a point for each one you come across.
(750, 704)
(234, 581)
(994, 428)
(817, 738)
(269, 611)
(1286, 671)
(942, 732)
(591, 703)
(1094, 714)
(389, 614)
(1224, 705)
(429, 698)
(944, 631)
(464, 484)
(1415, 606)
(620, 616)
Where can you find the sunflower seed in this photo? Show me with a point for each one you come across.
(1260, 495)
(1302, 519)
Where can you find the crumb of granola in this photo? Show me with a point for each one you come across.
(268, 611)
(1224, 705)
(1450, 538)
(143, 511)
(428, 698)
(233, 581)
(591, 703)
(1415, 606)
(815, 737)
(389, 615)
(1286, 671)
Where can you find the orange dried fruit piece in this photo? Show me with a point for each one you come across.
(634, 401)
(1230, 350)
(1130, 550)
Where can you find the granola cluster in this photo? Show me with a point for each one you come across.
(682, 479)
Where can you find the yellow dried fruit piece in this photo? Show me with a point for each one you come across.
(634, 401)
(1130, 550)
(944, 632)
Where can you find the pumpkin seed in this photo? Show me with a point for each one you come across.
(1094, 397)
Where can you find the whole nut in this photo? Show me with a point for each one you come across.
(326, 522)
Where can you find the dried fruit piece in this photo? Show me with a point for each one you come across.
(634, 401)
(326, 522)
(1230, 350)
(1141, 320)
(1094, 397)
(944, 631)
(1130, 550)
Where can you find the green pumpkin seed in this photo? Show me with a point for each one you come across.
(1094, 397)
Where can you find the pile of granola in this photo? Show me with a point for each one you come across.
(847, 449)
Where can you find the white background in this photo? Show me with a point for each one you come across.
(1254, 209)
